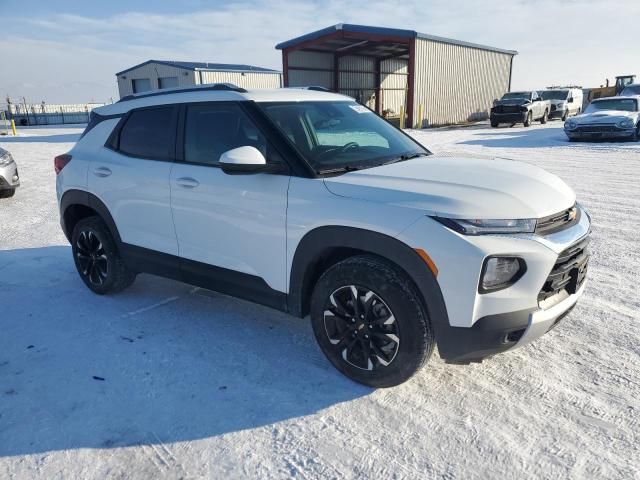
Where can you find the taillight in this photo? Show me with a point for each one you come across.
(60, 162)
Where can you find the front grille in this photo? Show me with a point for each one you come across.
(558, 221)
(596, 128)
(568, 273)
(507, 109)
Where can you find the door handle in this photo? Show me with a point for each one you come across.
(187, 182)
(101, 172)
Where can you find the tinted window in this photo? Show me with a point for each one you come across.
(211, 130)
(149, 133)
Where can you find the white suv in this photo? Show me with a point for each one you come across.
(310, 203)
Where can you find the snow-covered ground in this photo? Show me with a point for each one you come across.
(168, 381)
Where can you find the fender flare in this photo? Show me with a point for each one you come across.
(320, 241)
(79, 197)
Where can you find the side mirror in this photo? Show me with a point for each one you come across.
(570, 100)
(243, 160)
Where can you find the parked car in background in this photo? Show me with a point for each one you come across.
(9, 178)
(631, 90)
(307, 202)
(610, 117)
(565, 102)
(520, 107)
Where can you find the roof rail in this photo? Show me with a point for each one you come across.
(230, 87)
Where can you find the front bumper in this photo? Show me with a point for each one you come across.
(503, 332)
(557, 113)
(518, 117)
(596, 135)
(9, 177)
(478, 325)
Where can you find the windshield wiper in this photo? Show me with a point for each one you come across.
(403, 158)
(346, 168)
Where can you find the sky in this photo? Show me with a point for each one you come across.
(68, 51)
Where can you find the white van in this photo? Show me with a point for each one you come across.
(564, 101)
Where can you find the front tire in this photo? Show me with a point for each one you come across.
(565, 115)
(544, 118)
(97, 258)
(370, 321)
(7, 193)
(528, 119)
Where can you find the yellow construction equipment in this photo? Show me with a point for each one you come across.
(610, 91)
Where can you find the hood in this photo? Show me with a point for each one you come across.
(459, 188)
(605, 116)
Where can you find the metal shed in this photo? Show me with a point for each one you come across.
(431, 80)
(158, 74)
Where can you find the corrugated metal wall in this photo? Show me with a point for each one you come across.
(393, 78)
(357, 78)
(310, 68)
(244, 80)
(152, 71)
(185, 77)
(456, 84)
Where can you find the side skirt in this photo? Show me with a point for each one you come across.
(236, 284)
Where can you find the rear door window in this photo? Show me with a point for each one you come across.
(149, 133)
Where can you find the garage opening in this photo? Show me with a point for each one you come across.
(374, 68)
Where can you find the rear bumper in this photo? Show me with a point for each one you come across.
(9, 177)
(503, 332)
(517, 117)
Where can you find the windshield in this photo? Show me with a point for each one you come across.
(631, 90)
(554, 94)
(341, 135)
(517, 95)
(626, 104)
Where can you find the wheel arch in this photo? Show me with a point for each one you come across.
(77, 204)
(322, 247)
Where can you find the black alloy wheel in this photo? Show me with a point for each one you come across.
(361, 327)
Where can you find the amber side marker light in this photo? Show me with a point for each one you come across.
(427, 259)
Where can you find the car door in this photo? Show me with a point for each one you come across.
(130, 175)
(535, 105)
(231, 229)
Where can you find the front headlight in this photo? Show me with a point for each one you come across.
(5, 159)
(561, 105)
(570, 124)
(626, 123)
(486, 227)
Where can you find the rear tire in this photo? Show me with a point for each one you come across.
(97, 258)
(528, 119)
(494, 124)
(7, 193)
(544, 118)
(370, 321)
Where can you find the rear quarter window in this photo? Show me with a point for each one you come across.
(149, 133)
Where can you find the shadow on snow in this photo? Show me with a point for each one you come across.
(160, 362)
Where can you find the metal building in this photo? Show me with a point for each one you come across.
(431, 80)
(158, 74)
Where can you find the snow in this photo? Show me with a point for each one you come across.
(169, 381)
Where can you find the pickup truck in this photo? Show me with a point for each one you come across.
(520, 107)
